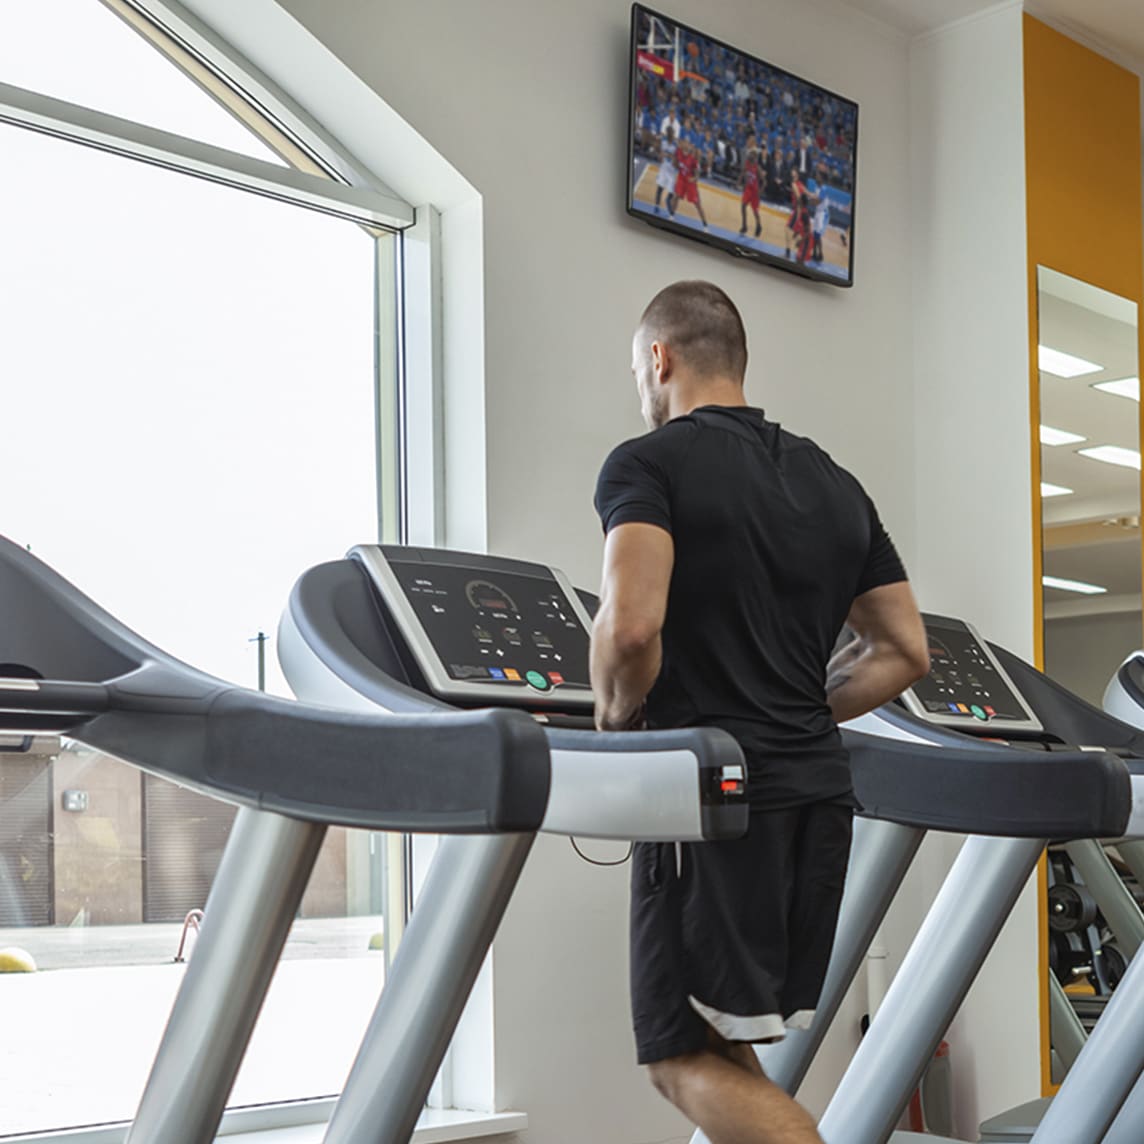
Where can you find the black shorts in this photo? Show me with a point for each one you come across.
(735, 936)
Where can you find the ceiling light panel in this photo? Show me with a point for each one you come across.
(1049, 490)
(1113, 455)
(1073, 586)
(1060, 364)
(1123, 387)
(1051, 436)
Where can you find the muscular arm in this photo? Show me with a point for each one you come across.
(890, 652)
(626, 647)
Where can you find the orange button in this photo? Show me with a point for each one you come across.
(963, 709)
(511, 673)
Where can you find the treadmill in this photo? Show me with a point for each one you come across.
(68, 667)
(410, 629)
(976, 694)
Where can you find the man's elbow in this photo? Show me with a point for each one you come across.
(628, 636)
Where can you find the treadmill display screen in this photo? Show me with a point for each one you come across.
(504, 629)
(966, 687)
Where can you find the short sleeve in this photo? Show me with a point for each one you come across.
(883, 564)
(632, 489)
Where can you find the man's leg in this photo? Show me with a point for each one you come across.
(730, 1101)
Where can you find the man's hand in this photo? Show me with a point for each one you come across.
(626, 647)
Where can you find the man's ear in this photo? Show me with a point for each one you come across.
(663, 361)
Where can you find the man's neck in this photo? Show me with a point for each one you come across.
(720, 391)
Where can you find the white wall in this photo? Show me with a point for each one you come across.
(528, 101)
(973, 528)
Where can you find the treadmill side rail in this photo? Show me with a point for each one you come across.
(998, 791)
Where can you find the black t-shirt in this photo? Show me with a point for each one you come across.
(773, 542)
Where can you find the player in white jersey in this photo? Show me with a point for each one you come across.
(821, 218)
(665, 180)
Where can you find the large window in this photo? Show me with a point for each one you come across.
(196, 388)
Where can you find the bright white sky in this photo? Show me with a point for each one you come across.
(186, 371)
(186, 388)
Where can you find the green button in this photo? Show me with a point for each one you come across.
(978, 713)
(537, 680)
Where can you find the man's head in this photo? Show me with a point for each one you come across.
(690, 339)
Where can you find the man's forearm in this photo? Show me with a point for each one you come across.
(862, 677)
(622, 676)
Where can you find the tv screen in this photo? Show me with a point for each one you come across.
(738, 153)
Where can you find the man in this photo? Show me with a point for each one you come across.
(735, 553)
(671, 120)
(687, 180)
(798, 224)
(667, 173)
(752, 169)
(821, 218)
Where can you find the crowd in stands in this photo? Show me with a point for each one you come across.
(723, 100)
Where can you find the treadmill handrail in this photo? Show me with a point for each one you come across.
(991, 789)
(448, 772)
(464, 772)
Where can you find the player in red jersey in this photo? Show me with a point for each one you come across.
(799, 232)
(686, 182)
(750, 182)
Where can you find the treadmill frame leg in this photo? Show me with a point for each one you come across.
(252, 904)
(452, 926)
(958, 932)
(1108, 1066)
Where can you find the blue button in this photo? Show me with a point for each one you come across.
(496, 673)
(953, 706)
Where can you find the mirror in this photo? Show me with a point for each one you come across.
(1091, 594)
(1090, 481)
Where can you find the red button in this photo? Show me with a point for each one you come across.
(990, 712)
(556, 677)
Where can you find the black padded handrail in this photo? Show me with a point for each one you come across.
(991, 789)
(88, 674)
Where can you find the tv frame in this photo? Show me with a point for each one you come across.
(662, 223)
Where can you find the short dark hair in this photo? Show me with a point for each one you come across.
(702, 325)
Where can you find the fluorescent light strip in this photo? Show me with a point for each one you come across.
(1051, 436)
(1060, 364)
(1124, 387)
(1073, 586)
(1113, 455)
(1048, 490)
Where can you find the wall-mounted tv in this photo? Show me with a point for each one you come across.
(738, 153)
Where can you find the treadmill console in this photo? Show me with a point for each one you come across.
(967, 688)
(485, 629)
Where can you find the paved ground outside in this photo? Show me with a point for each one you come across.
(74, 947)
(77, 1042)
